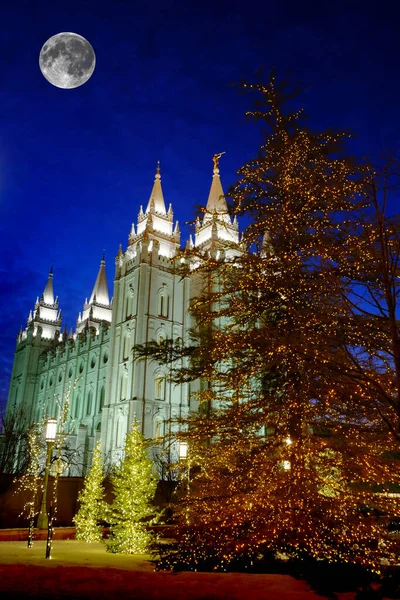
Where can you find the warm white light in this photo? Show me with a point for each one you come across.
(183, 450)
(51, 430)
(288, 441)
(286, 465)
(48, 314)
(162, 225)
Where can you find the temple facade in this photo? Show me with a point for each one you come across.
(95, 365)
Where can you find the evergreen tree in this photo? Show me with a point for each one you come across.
(281, 453)
(92, 506)
(134, 486)
(372, 297)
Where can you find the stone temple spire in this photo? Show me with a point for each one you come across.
(48, 294)
(216, 198)
(98, 309)
(156, 201)
(155, 226)
(217, 228)
(100, 290)
(46, 315)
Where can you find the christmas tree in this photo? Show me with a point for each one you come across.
(372, 290)
(283, 455)
(134, 486)
(92, 506)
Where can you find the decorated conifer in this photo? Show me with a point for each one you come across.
(283, 455)
(92, 506)
(134, 487)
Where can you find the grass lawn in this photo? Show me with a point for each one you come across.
(80, 570)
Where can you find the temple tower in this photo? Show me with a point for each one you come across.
(42, 332)
(150, 303)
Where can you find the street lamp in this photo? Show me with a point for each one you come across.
(183, 450)
(183, 456)
(50, 436)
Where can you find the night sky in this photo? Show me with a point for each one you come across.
(76, 164)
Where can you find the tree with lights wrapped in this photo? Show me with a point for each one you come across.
(134, 486)
(92, 510)
(282, 451)
(32, 449)
(372, 289)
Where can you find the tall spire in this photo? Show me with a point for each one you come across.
(100, 290)
(155, 224)
(46, 314)
(216, 228)
(156, 201)
(216, 199)
(48, 294)
(99, 308)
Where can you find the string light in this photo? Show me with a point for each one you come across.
(31, 481)
(292, 439)
(92, 508)
(134, 486)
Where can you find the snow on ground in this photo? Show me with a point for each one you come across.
(81, 570)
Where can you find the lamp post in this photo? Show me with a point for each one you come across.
(183, 456)
(183, 450)
(51, 433)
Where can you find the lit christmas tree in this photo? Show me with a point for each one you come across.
(371, 273)
(134, 486)
(92, 506)
(283, 455)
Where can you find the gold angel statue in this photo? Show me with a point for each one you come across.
(216, 158)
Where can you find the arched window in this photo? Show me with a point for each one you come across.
(77, 405)
(161, 336)
(159, 387)
(124, 384)
(158, 428)
(129, 301)
(163, 304)
(89, 402)
(102, 396)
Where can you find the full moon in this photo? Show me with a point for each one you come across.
(67, 60)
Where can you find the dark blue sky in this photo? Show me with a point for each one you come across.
(76, 164)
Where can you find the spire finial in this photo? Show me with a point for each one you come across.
(156, 201)
(103, 259)
(100, 289)
(48, 294)
(216, 158)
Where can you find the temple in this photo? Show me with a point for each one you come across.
(108, 388)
